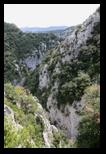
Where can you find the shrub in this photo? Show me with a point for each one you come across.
(89, 128)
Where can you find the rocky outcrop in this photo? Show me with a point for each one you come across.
(68, 116)
(79, 37)
(49, 129)
(29, 121)
(26, 50)
(44, 76)
(65, 115)
(9, 112)
(33, 61)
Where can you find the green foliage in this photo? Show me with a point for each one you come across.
(32, 81)
(14, 137)
(10, 28)
(74, 89)
(89, 128)
(72, 82)
(19, 45)
(74, 77)
(31, 133)
(92, 97)
(45, 92)
(65, 33)
(78, 26)
(88, 134)
(34, 128)
(11, 138)
(60, 140)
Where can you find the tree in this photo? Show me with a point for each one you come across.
(89, 128)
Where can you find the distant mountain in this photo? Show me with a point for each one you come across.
(63, 33)
(45, 29)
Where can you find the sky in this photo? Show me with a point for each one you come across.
(45, 15)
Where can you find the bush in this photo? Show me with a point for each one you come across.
(73, 90)
(89, 128)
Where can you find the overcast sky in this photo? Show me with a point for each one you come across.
(45, 15)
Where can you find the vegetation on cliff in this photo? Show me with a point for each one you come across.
(69, 71)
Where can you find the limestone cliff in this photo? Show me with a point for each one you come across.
(28, 121)
(23, 52)
(57, 69)
(64, 71)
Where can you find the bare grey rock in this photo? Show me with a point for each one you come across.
(33, 61)
(43, 78)
(54, 129)
(9, 111)
(67, 117)
(22, 81)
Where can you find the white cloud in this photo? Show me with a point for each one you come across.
(45, 15)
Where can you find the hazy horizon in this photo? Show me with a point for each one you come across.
(45, 27)
(47, 15)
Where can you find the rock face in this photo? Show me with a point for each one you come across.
(49, 129)
(29, 121)
(44, 75)
(79, 37)
(67, 117)
(26, 50)
(33, 61)
(40, 114)
(9, 112)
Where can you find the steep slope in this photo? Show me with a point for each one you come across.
(65, 77)
(66, 32)
(66, 72)
(89, 127)
(23, 52)
(27, 122)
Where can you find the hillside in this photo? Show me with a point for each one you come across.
(60, 73)
(27, 122)
(66, 32)
(66, 72)
(23, 52)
